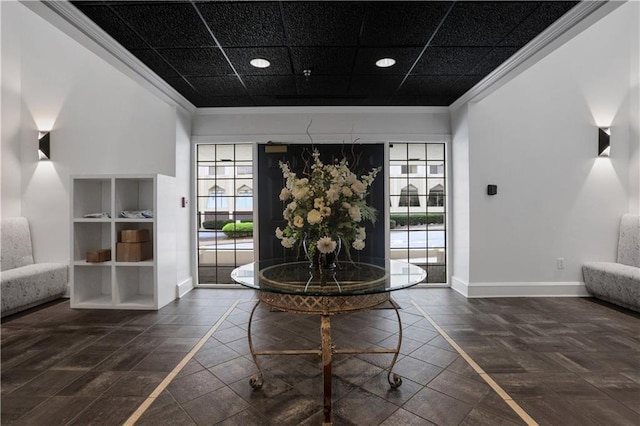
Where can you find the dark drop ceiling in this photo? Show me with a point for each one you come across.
(441, 49)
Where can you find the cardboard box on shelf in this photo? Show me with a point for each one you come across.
(134, 252)
(134, 235)
(99, 256)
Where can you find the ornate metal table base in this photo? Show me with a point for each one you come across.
(325, 306)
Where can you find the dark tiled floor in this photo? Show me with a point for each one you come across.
(565, 361)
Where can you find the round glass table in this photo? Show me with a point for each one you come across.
(351, 286)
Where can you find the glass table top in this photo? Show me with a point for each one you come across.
(365, 276)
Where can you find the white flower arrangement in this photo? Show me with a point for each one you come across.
(327, 204)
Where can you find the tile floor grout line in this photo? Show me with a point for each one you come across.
(172, 375)
(486, 377)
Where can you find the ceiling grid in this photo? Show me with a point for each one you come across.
(442, 49)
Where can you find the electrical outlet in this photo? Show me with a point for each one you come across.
(560, 262)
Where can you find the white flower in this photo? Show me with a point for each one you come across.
(287, 242)
(355, 213)
(332, 194)
(358, 244)
(329, 200)
(300, 192)
(285, 194)
(326, 245)
(358, 187)
(314, 217)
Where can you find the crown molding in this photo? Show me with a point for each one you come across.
(559, 32)
(80, 22)
(323, 110)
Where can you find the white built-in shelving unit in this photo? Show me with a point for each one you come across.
(148, 284)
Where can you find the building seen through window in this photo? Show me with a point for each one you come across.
(417, 201)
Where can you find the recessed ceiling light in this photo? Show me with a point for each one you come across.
(385, 62)
(260, 63)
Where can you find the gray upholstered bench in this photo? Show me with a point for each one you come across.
(618, 282)
(24, 283)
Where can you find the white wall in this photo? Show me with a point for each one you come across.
(10, 116)
(101, 121)
(460, 214)
(329, 124)
(184, 226)
(536, 138)
(634, 114)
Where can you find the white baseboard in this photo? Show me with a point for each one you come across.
(184, 287)
(520, 289)
(460, 285)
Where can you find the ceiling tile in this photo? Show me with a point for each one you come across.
(218, 86)
(270, 85)
(367, 56)
(323, 60)
(401, 23)
(194, 62)
(339, 41)
(245, 23)
(278, 56)
(547, 13)
(186, 90)
(428, 100)
(375, 85)
(325, 85)
(155, 62)
(166, 24)
(323, 23)
(109, 21)
(493, 60)
(422, 85)
(450, 60)
(464, 83)
(286, 100)
(484, 23)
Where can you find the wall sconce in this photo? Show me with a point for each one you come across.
(44, 146)
(604, 144)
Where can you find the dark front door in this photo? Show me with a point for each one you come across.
(362, 158)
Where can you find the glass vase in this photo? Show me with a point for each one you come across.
(321, 261)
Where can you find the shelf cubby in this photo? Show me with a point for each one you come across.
(90, 236)
(135, 285)
(148, 284)
(133, 194)
(96, 289)
(91, 196)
